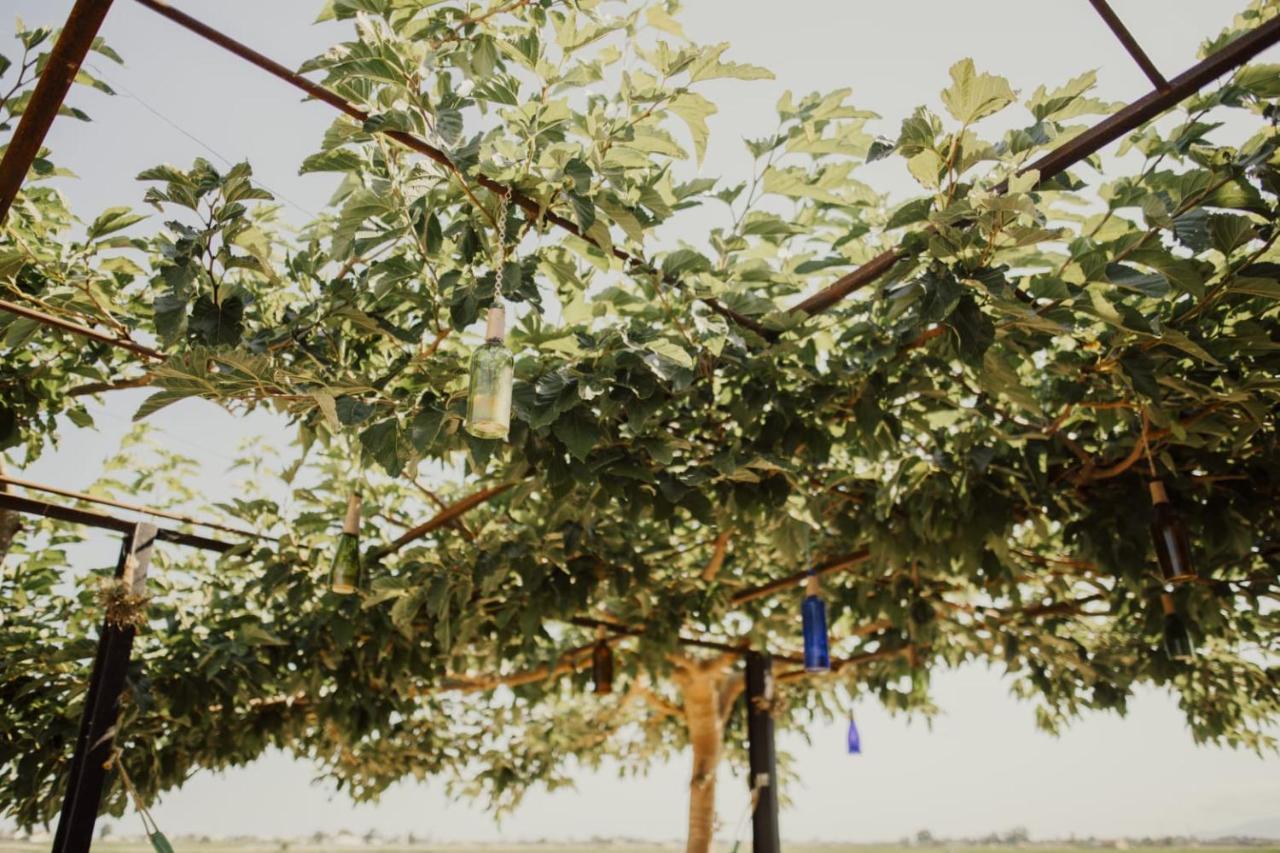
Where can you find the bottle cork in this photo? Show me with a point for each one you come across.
(496, 324)
(1166, 603)
(811, 586)
(352, 522)
(1158, 494)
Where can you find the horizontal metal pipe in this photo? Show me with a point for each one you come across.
(102, 521)
(158, 513)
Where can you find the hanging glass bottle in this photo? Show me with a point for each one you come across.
(1173, 553)
(344, 577)
(489, 397)
(817, 653)
(1177, 639)
(855, 740)
(602, 664)
(1173, 545)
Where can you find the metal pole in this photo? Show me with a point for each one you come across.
(59, 73)
(1130, 44)
(760, 750)
(102, 706)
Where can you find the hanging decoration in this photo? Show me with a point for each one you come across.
(344, 577)
(489, 397)
(855, 741)
(489, 394)
(602, 664)
(1173, 553)
(813, 613)
(1173, 545)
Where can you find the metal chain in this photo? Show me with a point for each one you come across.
(501, 235)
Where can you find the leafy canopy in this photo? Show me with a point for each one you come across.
(976, 423)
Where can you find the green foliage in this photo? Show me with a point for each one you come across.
(977, 421)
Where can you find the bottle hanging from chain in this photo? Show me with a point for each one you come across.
(344, 576)
(1177, 639)
(813, 616)
(489, 396)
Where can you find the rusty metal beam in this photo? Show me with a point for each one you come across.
(76, 329)
(59, 73)
(1110, 129)
(1130, 43)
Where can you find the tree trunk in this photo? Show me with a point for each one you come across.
(705, 692)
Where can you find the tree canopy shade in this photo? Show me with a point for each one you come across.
(961, 447)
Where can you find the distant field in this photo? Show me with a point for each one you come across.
(183, 845)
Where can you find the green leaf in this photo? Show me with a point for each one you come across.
(385, 444)
(694, 109)
(709, 67)
(973, 96)
(255, 635)
(579, 434)
(111, 220)
(671, 351)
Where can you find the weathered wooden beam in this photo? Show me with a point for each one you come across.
(55, 81)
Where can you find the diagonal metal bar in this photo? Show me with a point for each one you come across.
(59, 73)
(1130, 118)
(1130, 43)
(532, 207)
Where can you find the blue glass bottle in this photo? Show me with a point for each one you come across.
(817, 652)
(855, 740)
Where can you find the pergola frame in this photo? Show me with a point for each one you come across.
(74, 42)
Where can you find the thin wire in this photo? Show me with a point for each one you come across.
(197, 140)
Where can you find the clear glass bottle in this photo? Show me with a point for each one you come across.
(489, 397)
(344, 576)
(1173, 545)
(813, 615)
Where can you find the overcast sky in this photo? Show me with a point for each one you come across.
(982, 765)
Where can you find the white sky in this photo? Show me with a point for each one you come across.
(982, 766)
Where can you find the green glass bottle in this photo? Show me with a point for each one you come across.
(1177, 639)
(344, 577)
(489, 398)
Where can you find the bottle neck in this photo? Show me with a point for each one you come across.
(351, 524)
(495, 327)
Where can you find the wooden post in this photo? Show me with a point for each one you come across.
(59, 73)
(763, 778)
(102, 706)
